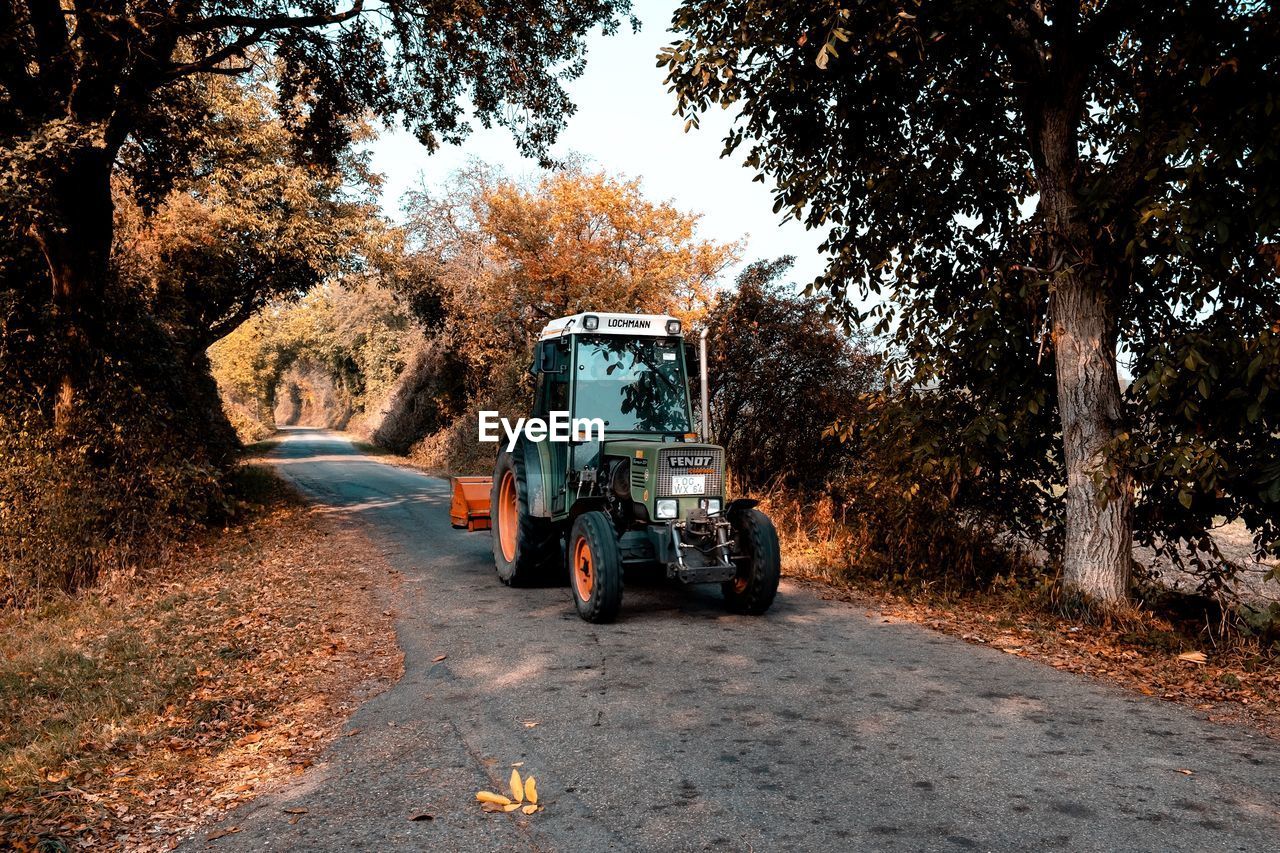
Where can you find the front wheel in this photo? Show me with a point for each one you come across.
(595, 567)
(759, 562)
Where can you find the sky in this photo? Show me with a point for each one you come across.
(624, 125)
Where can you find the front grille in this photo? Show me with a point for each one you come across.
(714, 471)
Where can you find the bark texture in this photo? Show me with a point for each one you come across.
(1098, 553)
(1099, 540)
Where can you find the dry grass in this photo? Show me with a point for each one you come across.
(135, 711)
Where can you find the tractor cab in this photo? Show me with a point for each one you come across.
(639, 488)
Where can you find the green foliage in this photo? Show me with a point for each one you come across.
(970, 162)
(358, 336)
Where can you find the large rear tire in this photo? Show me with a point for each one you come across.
(759, 564)
(526, 549)
(595, 567)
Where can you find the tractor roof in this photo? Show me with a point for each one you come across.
(602, 323)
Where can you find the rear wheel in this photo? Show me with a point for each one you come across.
(526, 549)
(595, 567)
(759, 562)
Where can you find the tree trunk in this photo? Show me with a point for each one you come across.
(75, 236)
(1098, 554)
(1099, 544)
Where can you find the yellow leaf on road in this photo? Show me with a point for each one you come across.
(529, 809)
(491, 797)
(511, 807)
(531, 790)
(517, 787)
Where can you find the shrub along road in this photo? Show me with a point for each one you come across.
(683, 727)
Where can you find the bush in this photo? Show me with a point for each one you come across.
(780, 374)
(456, 449)
(143, 466)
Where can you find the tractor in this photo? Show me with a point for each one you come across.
(644, 493)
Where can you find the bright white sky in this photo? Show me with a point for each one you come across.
(625, 126)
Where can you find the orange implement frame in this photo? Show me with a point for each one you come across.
(470, 506)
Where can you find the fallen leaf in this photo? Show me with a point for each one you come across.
(438, 658)
(353, 733)
(517, 786)
(511, 807)
(1193, 657)
(491, 807)
(295, 811)
(213, 836)
(490, 797)
(528, 724)
(529, 809)
(1184, 771)
(531, 790)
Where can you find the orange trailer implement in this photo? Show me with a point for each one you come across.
(470, 505)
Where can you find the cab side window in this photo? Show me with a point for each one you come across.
(553, 379)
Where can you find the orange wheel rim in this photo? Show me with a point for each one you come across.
(508, 514)
(583, 573)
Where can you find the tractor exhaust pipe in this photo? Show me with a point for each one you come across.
(702, 369)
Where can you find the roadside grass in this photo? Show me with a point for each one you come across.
(136, 710)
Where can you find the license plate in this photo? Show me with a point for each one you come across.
(688, 484)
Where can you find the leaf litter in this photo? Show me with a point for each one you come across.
(524, 795)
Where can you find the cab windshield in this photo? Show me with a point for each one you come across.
(633, 384)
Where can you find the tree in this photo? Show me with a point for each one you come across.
(1040, 186)
(500, 259)
(77, 81)
(248, 223)
(775, 355)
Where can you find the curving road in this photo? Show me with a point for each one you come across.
(681, 727)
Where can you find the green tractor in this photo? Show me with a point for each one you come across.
(639, 490)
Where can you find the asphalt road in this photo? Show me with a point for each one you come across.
(680, 727)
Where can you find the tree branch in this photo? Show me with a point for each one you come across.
(19, 82)
(274, 22)
(50, 29)
(1111, 20)
(209, 63)
(1014, 35)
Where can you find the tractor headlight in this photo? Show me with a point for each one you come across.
(673, 327)
(713, 506)
(668, 509)
(591, 322)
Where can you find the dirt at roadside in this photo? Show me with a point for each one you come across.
(134, 717)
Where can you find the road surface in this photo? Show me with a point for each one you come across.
(682, 727)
